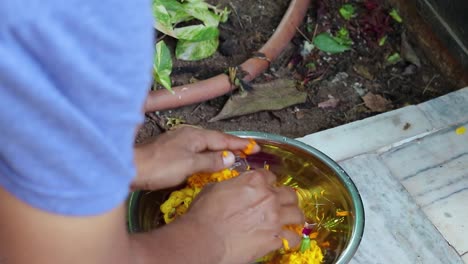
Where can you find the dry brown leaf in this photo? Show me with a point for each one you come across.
(273, 95)
(363, 71)
(376, 103)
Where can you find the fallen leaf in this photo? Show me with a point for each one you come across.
(274, 95)
(408, 53)
(376, 103)
(363, 71)
(332, 102)
(299, 115)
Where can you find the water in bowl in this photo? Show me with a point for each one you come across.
(327, 205)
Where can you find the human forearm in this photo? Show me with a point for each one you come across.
(179, 242)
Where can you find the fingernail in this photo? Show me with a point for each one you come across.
(228, 158)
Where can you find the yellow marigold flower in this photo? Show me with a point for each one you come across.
(178, 203)
(198, 180)
(312, 256)
(285, 244)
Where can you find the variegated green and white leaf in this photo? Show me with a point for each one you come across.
(196, 33)
(162, 65)
(192, 51)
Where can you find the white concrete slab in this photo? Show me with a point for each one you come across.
(465, 258)
(367, 135)
(447, 110)
(396, 230)
(434, 170)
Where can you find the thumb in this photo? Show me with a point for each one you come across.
(213, 161)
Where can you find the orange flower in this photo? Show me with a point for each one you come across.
(342, 213)
(295, 228)
(249, 149)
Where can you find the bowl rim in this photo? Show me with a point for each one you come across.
(358, 227)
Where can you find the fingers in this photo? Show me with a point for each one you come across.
(291, 215)
(212, 161)
(275, 242)
(287, 196)
(260, 177)
(202, 139)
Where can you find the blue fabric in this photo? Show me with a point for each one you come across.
(73, 78)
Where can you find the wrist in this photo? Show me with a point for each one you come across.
(210, 245)
(183, 241)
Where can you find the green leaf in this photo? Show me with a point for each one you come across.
(196, 33)
(163, 19)
(342, 37)
(348, 11)
(394, 14)
(325, 42)
(201, 11)
(394, 58)
(224, 15)
(192, 51)
(382, 40)
(195, 41)
(311, 66)
(162, 65)
(176, 11)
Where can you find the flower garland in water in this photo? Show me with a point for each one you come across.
(309, 252)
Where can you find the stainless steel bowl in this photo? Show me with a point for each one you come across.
(327, 186)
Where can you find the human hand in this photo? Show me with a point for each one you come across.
(245, 216)
(173, 156)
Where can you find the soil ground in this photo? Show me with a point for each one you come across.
(346, 77)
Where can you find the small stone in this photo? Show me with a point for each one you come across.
(341, 76)
(359, 89)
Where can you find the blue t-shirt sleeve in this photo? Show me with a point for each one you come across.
(73, 78)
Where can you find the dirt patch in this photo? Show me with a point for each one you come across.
(336, 84)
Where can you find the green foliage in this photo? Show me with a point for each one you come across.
(196, 41)
(311, 66)
(394, 14)
(347, 11)
(342, 37)
(383, 40)
(189, 50)
(162, 65)
(394, 58)
(328, 43)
